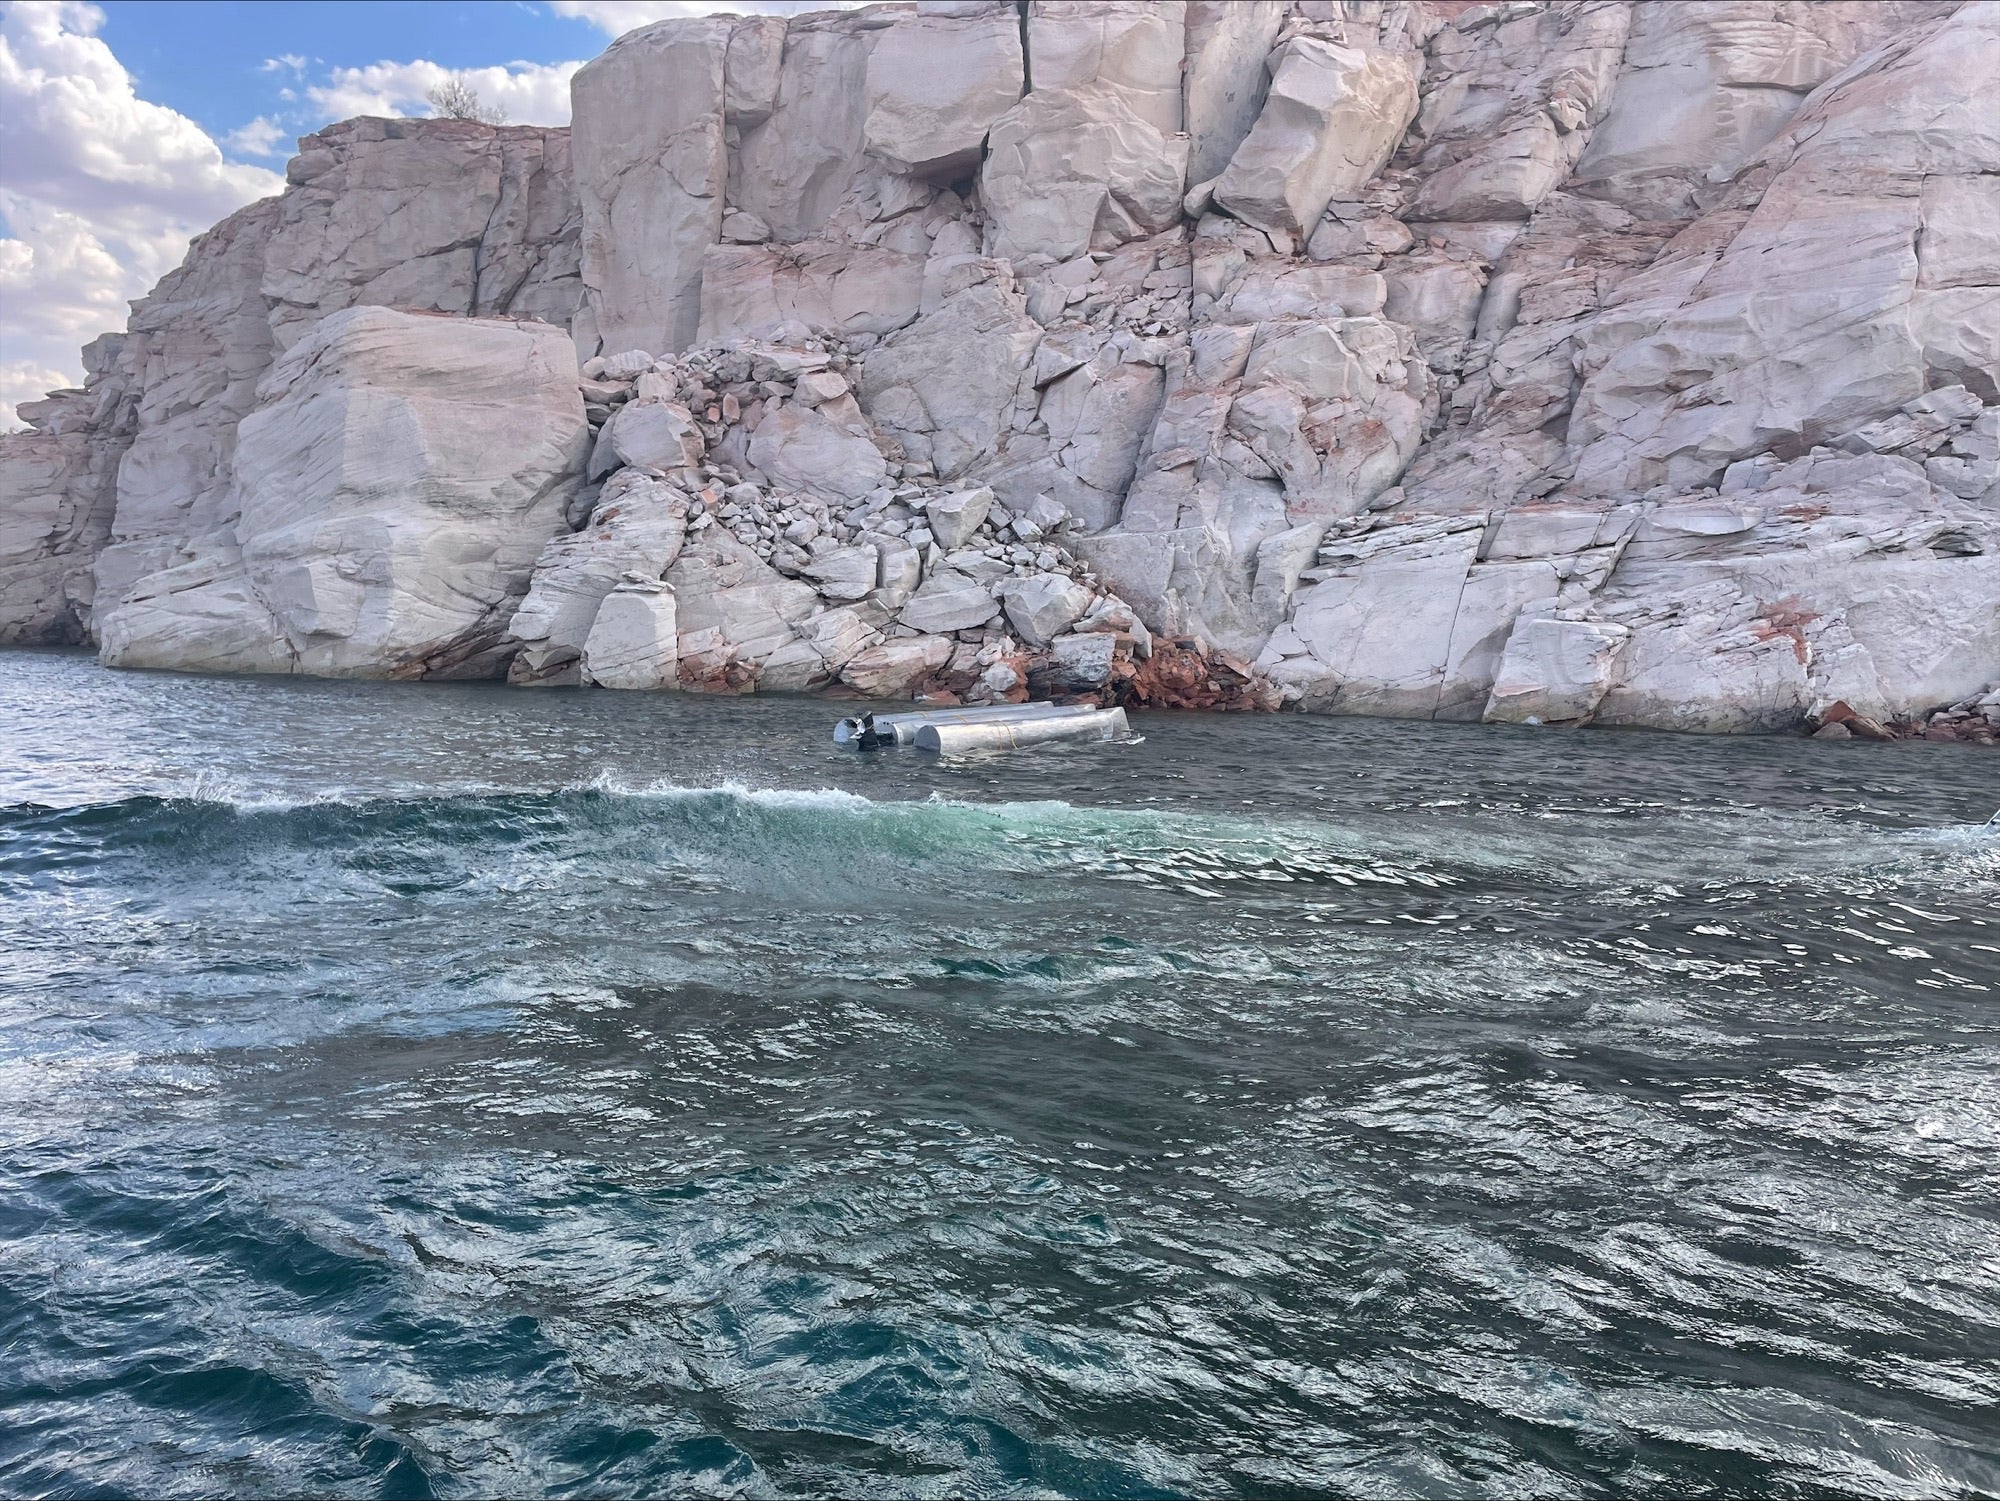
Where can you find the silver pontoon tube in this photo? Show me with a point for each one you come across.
(1011, 734)
(869, 730)
(906, 730)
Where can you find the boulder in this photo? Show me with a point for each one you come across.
(840, 633)
(626, 365)
(895, 669)
(1043, 606)
(902, 566)
(819, 386)
(794, 667)
(826, 643)
(954, 518)
(1081, 664)
(1332, 117)
(950, 601)
(803, 449)
(655, 433)
(637, 526)
(632, 643)
(845, 572)
(395, 486)
(1555, 670)
(752, 68)
(1112, 616)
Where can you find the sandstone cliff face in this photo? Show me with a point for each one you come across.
(1564, 361)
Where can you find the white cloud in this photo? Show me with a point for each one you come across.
(100, 191)
(531, 93)
(24, 380)
(263, 136)
(616, 17)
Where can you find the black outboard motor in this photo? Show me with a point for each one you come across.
(872, 737)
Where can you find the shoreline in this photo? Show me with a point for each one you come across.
(1900, 732)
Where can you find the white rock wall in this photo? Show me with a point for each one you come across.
(1545, 359)
(128, 478)
(392, 490)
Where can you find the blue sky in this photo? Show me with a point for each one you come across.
(207, 58)
(127, 126)
(224, 63)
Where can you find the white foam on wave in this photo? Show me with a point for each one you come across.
(611, 784)
(841, 800)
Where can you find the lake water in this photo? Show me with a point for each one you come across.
(457, 1090)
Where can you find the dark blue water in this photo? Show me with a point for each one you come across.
(456, 1090)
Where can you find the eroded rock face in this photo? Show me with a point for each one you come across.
(651, 164)
(58, 492)
(936, 83)
(1700, 93)
(1818, 296)
(1556, 360)
(440, 215)
(393, 487)
(444, 216)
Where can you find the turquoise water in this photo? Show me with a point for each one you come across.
(456, 1090)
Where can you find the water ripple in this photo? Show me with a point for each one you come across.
(460, 1091)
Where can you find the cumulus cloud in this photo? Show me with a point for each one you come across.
(285, 62)
(616, 17)
(100, 191)
(263, 136)
(531, 93)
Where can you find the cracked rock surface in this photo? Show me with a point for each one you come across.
(1545, 361)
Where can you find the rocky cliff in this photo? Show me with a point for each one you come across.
(1564, 361)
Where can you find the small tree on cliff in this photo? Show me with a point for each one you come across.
(455, 99)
